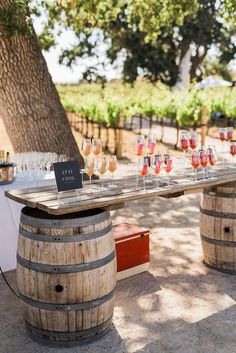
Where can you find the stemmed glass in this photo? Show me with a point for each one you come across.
(212, 157)
(90, 168)
(97, 147)
(166, 157)
(51, 158)
(232, 149)
(112, 166)
(143, 171)
(139, 146)
(222, 137)
(151, 144)
(230, 132)
(62, 158)
(168, 167)
(203, 161)
(86, 149)
(139, 150)
(157, 166)
(102, 167)
(195, 161)
(184, 143)
(193, 140)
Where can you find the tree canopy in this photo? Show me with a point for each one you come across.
(152, 36)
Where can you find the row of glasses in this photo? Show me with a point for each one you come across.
(90, 148)
(155, 164)
(203, 157)
(100, 166)
(145, 146)
(188, 140)
(225, 134)
(36, 164)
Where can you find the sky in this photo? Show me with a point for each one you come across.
(64, 74)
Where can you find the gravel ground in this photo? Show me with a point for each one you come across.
(178, 306)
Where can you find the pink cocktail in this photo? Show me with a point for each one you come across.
(151, 147)
(144, 170)
(195, 161)
(230, 132)
(212, 157)
(193, 140)
(232, 149)
(204, 161)
(222, 135)
(184, 143)
(139, 149)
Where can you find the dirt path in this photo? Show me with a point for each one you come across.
(179, 306)
(169, 140)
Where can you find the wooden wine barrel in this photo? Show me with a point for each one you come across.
(66, 273)
(218, 227)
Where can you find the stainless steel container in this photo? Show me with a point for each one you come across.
(7, 174)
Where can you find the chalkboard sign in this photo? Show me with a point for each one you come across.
(68, 176)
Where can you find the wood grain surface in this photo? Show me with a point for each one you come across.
(127, 189)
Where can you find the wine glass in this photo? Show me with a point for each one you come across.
(222, 137)
(157, 166)
(166, 157)
(143, 171)
(102, 167)
(51, 158)
(41, 164)
(229, 134)
(151, 144)
(184, 143)
(139, 146)
(212, 157)
(139, 151)
(97, 147)
(193, 140)
(168, 167)
(148, 160)
(203, 161)
(232, 149)
(112, 166)
(90, 168)
(195, 161)
(86, 149)
(63, 158)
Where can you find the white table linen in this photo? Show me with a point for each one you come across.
(10, 218)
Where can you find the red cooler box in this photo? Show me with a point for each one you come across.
(132, 249)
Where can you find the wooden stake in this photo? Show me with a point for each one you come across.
(119, 136)
(204, 118)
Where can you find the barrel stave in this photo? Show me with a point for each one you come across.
(218, 227)
(66, 274)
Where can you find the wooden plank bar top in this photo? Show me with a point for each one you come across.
(127, 189)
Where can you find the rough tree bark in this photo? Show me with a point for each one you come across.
(29, 103)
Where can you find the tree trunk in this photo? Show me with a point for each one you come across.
(29, 103)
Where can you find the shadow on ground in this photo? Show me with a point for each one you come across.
(179, 306)
(15, 339)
